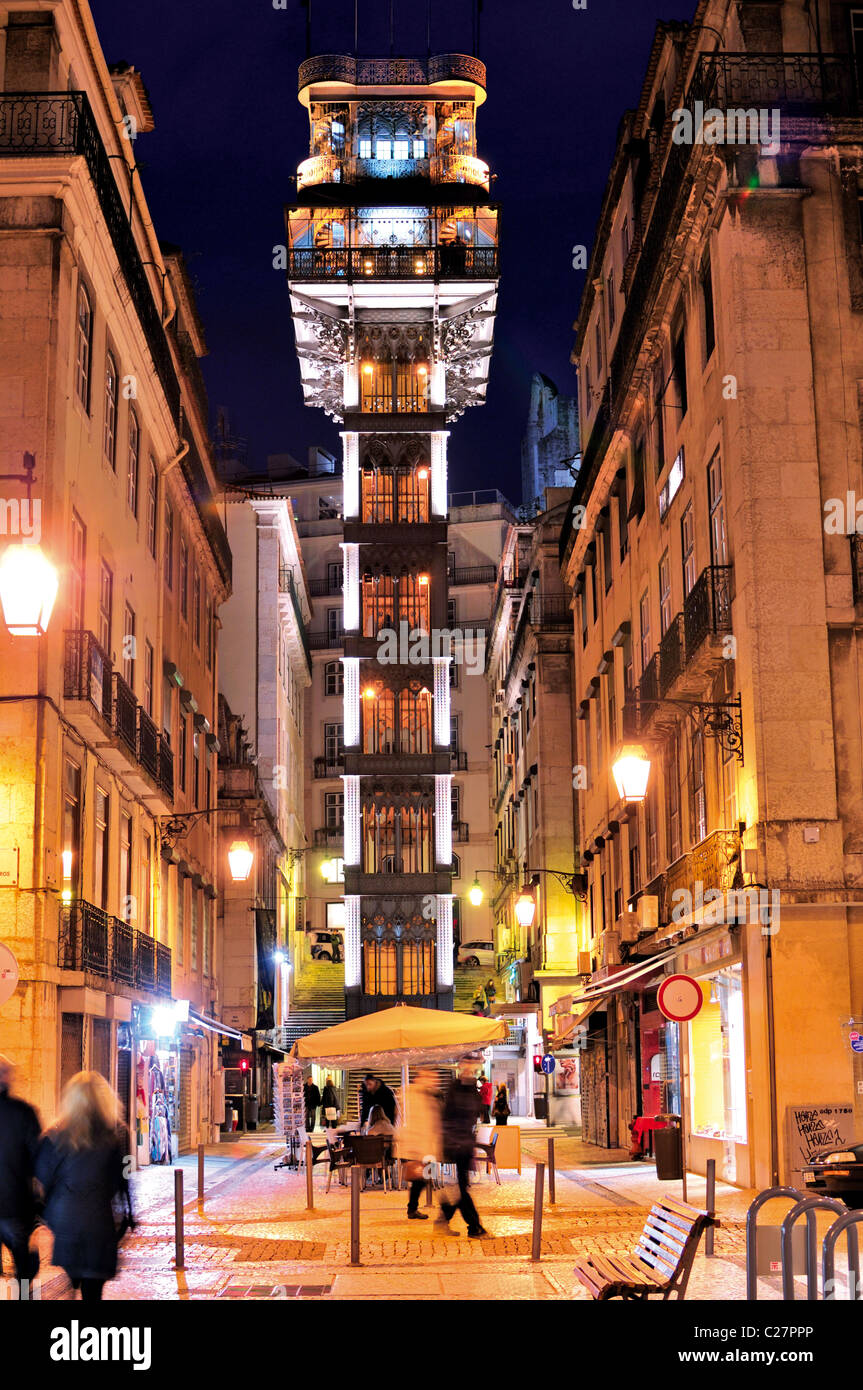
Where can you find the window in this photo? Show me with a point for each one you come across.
(401, 149)
(707, 307)
(193, 930)
(208, 632)
(451, 613)
(146, 885)
(83, 348)
(167, 708)
(583, 610)
(380, 967)
(609, 299)
(148, 678)
(127, 902)
(101, 861)
(644, 623)
(106, 604)
(129, 646)
(335, 576)
(335, 629)
(184, 578)
(594, 606)
(152, 507)
(334, 678)
(599, 763)
(365, 149)
(78, 572)
(196, 607)
(625, 240)
(334, 744)
(180, 940)
(672, 803)
(597, 338)
(169, 545)
(676, 474)
(455, 804)
(687, 545)
(606, 550)
(132, 463)
(334, 810)
(181, 752)
(651, 833)
(698, 798)
(383, 149)
(718, 538)
(634, 860)
(659, 419)
(419, 149)
(612, 711)
(622, 521)
(205, 931)
(72, 828)
(418, 967)
(678, 358)
(196, 768)
(454, 732)
(109, 424)
(636, 506)
(664, 595)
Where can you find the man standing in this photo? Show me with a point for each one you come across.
(377, 1092)
(460, 1113)
(312, 1097)
(19, 1141)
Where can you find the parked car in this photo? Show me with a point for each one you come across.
(476, 953)
(327, 946)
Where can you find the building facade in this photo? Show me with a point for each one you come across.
(392, 267)
(550, 448)
(717, 617)
(107, 722)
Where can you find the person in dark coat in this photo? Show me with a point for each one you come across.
(313, 1099)
(377, 1092)
(460, 1113)
(329, 1101)
(81, 1165)
(19, 1144)
(501, 1109)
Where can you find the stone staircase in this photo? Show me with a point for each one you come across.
(466, 980)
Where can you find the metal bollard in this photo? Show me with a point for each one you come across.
(200, 1175)
(551, 1171)
(429, 1198)
(179, 1242)
(536, 1246)
(356, 1179)
(710, 1203)
(310, 1178)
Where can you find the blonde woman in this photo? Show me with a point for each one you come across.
(82, 1166)
(419, 1139)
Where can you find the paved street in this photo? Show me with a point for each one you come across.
(255, 1238)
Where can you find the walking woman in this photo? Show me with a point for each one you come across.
(500, 1109)
(81, 1165)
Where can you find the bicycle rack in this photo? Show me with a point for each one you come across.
(808, 1207)
(751, 1230)
(848, 1222)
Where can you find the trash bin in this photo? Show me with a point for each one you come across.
(250, 1112)
(540, 1107)
(668, 1148)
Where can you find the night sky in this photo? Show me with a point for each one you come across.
(230, 132)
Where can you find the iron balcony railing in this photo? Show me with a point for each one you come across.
(93, 941)
(648, 686)
(671, 654)
(707, 608)
(329, 837)
(796, 83)
(148, 744)
(326, 640)
(166, 768)
(318, 588)
(461, 832)
(87, 672)
(324, 768)
(125, 714)
(393, 263)
(857, 567)
(458, 759)
(472, 574)
(287, 586)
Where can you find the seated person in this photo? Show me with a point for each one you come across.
(378, 1123)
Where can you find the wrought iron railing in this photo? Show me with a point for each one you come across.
(629, 715)
(318, 588)
(671, 654)
(325, 769)
(707, 608)
(472, 574)
(400, 72)
(163, 969)
(329, 837)
(648, 686)
(123, 959)
(796, 83)
(326, 640)
(125, 714)
(148, 744)
(393, 263)
(166, 768)
(85, 939)
(90, 940)
(145, 961)
(87, 672)
(713, 863)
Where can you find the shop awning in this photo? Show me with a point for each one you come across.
(564, 1039)
(213, 1025)
(624, 978)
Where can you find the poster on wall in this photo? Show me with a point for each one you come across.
(814, 1128)
(565, 1077)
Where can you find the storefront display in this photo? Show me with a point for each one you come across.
(157, 1103)
(717, 1059)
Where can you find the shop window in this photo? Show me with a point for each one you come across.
(717, 1060)
(380, 967)
(418, 975)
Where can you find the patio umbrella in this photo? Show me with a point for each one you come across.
(395, 1037)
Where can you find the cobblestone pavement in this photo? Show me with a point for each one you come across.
(256, 1239)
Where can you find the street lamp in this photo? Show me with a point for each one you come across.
(240, 860)
(28, 588)
(525, 908)
(631, 770)
(475, 893)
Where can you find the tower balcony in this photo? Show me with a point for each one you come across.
(445, 168)
(412, 263)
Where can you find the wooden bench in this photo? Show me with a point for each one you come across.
(662, 1261)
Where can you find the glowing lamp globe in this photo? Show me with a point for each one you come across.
(240, 861)
(631, 770)
(525, 909)
(475, 893)
(28, 588)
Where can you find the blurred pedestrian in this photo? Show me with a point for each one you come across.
(312, 1098)
(485, 1095)
(82, 1166)
(19, 1145)
(500, 1109)
(460, 1114)
(419, 1139)
(490, 992)
(329, 1105)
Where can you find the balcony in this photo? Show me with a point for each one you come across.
(800, 84)
(671, 655)
(327, 641)
(324, 769)
(102, 707)
(461, 832)
(458, 759)
(98, 944)
(319, 588)
(415, 263)
(330, 837)
(472, 574)
(648, 686)
(451, 167)
(707, 609)
(713, 863)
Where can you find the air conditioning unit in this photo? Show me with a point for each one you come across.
(627, 926)
(609, 948)
(647, 912)
(584, 963)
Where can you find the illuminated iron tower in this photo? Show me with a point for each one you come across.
(393, 271)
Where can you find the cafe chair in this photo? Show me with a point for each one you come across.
(485, 1153)
(371, 1152)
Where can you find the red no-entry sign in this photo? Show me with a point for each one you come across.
(680, 998)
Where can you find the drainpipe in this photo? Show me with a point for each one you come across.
(771, 1064)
